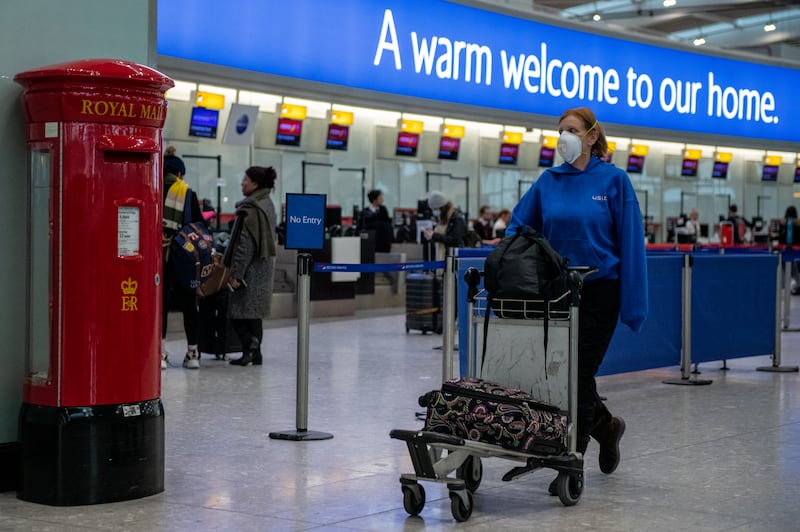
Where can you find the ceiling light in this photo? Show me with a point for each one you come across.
(670, 3)
(700, 41)
(596, 17)
(769, 27)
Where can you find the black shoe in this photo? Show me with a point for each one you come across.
(608, 436)
(552, 489)
(258, 359)
(246, 359)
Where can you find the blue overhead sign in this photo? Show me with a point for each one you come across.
(440, 50)
(305, 214)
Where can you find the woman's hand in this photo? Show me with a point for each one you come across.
(428, 234)
(235, 284)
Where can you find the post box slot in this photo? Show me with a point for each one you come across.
(126, 157)
(126, 143)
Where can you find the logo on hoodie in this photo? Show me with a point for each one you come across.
(601, 197)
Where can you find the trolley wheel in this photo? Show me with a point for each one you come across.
(407, 329)
(461, 511)
(413, 498)
(471, 471)
(569, 488)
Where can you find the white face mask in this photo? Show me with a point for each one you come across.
(569, 146)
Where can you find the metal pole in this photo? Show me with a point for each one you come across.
(572, 401)
(448, 314)
(686, 329)
(303, 313)
(219, 190)
(304, 269)
(787, 290)
(787, 293)
(686, 340)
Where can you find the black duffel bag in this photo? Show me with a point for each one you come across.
(526, 278)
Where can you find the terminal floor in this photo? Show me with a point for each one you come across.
(722, 457)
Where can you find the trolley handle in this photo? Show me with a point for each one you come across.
(577, 274)
(473, 278)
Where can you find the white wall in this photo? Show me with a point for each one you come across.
(37, 33)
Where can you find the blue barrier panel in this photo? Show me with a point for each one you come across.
(791, 255)
(733, 306)
(467, 258)
(658, 343)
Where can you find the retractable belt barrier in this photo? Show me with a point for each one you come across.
(305, 267)
(328, 267)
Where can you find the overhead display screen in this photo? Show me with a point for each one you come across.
(450, 52)
(720, 170)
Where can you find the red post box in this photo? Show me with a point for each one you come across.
(91, 425)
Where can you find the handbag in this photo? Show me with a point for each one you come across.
(217, 278)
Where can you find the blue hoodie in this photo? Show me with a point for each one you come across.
(592, 218)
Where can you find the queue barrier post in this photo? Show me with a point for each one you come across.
(686, 329)
(448, 314)
(304, 269)
(785, 267)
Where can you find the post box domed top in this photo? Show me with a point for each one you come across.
(110, 91)
(97, 72)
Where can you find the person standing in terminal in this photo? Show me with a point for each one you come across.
(452, 227)
(180, 207)
(375, 217)
(483, 225)
(588, 210)
(499, 227)
(250, 258)
(740, 225)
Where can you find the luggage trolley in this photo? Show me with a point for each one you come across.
(533, 348)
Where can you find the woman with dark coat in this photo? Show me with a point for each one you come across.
(251, 259)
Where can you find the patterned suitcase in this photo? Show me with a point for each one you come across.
(478, 410)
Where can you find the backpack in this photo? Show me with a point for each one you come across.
(524, 275)
(526, 278)
(191, 255)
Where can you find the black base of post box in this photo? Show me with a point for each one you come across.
(89, 455)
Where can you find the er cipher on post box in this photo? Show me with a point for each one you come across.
(91, 425)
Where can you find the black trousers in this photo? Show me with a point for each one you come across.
(250, 332)
(175, 297)
(597, 316)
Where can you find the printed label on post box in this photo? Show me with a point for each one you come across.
(131, 410)
(127, 231)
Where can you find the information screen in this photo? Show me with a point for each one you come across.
(407, 144)
(509, 153)
(204, 123)
(289, 132)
